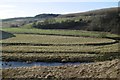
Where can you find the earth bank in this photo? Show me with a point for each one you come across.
(106, 69)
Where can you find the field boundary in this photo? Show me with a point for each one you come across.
(59, 35)
(50, 52)
(56, 52)
(33, 44)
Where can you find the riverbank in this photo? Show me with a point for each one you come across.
(106, 69)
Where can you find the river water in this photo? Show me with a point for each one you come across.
(13, 64)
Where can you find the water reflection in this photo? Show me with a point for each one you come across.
(14, 64)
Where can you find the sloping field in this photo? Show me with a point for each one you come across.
(59, 46)
(63, 46)
(48, 39)
(73, 33)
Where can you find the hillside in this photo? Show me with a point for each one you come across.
(20, 21)
(96, 20)
(104, 20)
(104, 11)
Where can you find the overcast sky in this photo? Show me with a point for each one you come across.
(23, 8)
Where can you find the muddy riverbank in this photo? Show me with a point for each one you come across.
(106, 69)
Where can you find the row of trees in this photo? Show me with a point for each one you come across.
(53, 24)
(106, 23)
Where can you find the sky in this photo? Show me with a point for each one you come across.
(26, 8)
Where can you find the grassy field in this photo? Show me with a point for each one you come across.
(106, 48)
(59, 45)
(60, 32)
(30, 38)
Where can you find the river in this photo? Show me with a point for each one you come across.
(14, 64)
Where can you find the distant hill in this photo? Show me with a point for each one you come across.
(107, 20)
(46, 15)
(104, 11)
(35, 17)
(20, 21)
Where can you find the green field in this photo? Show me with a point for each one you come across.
(60, 32)
(59, 45)
(106, 48)
(30, 38)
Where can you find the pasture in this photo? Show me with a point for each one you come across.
(59, 45)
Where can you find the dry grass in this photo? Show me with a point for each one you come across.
(106, 48)
(29, 38)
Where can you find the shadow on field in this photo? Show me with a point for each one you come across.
(5, 35)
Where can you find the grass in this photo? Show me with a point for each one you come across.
(27, 26)
(69, 49)
(58, 45)
(60, 32)
(47, 39)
